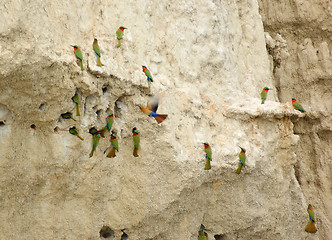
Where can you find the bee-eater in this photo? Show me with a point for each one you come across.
(264, 94)
(136, 138)
(119, 35)
(68, 115)
(311, 225)
(79, 55)
(242, 157)
(115, 146)
(202, 234)
(147, 74)
(77, 101)
(97, 51)
(74, 131)
(208, 156)
(109, 124)
(298, 106)
(95, 139)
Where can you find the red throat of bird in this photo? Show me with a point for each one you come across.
(75, 48)
(135, 134)
(112, 137)
(293, 100)
(144, 69)
(267, 90)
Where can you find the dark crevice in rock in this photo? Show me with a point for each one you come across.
(106, 232)
(33, 126)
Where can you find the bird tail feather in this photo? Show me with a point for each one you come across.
(92, 151)
(238, 170)
(81, 62)
(119, 43)
(207, 165)
(80, 137)
(111, 154)
(77, 110)
(161, 117)
(99, 62)
(308, 115)
(311, 227)
(263, 101)
(135, 152)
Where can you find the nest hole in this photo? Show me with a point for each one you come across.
(2, 123)
(42, 107)
(119, 106)
(106, 232)
(56, 130)
(33, 126)
(219, 237)
(106, 89)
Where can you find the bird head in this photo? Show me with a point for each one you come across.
(293, 100)
(242, 149)
(144, 68)
(206, 144)
(110, 114)
(75, 47)
(122, 28)
(95, 40)
(140, 106)
(267, 89)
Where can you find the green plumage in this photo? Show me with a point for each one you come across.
(95, 139)
(119, 35)
(298, 106)
(110, 121)
(311, 228)
(202, 235)
(77, 101)
(208, 156)
(74, 131)
(148, 74)
(79, 55)
(136, 139)
(264, 94)
(97, 51)
(242, 157)
(114, 142)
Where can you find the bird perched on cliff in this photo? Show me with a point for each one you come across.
(95, 141)
(242, 157)
(311, 225)
(151, 109)
(202, 234)
(115, 145)
(208, 156)
(264, 94)
(74, 131)
(77, 101)
(97, 51)
(136, 139)
(124, 235)
(298, 107)
(68, 115)
(109, 124)
(79, 55)
(119, 34)
(147, 74)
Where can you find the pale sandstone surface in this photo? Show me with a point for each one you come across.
(210, 62)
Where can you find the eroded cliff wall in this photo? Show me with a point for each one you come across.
(210, 61)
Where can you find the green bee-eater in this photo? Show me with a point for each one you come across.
(208, 156)
(97, 51)
(119, 35)
(298, 106)
(79, 55)
(115, 146)
(242, 157)
(68, 115)
(95, 139)
(109, 124)
(264, 94)
(136, 138)
(74, 131)
(311, 225)
(77, 101)
(147, 74)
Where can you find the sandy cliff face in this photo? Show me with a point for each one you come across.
(209, 60)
